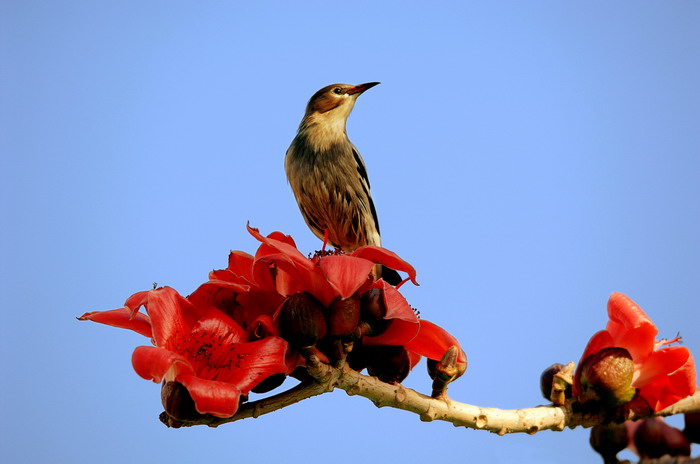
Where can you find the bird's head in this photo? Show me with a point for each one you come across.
(335, 102)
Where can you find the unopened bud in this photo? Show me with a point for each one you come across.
(301, 320)
(177, 402)
(692, 426)
(373, 310)
(269, 383)
(608, 440)
(389, 363)
(556, 381)
(547, 378)
(358, 358)
(606, 376)
(343, 316)
(446, 370)
(654, 438)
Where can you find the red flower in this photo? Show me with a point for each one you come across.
(325, 277)
(251, 286)
(341, 276)
(662, 376)
(198, 346)
(224, 339)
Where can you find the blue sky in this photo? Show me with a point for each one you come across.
(528, 158)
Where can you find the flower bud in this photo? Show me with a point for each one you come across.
(676, 441)
(389, 363)
(177, 402)
(269, 383)
(358, 358)
(555, 383)
(606, 376)
(343, 316)
(373, 310)
(301, 320)
(654, 438)
(608, 440)
(692, 427)
(547, 378)
(446, 370)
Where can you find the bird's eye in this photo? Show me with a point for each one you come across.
(337, 90)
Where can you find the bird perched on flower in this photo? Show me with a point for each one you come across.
(327, 173)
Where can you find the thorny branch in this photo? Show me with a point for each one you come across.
(325, 378)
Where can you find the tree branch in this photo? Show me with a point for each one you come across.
(500, 421)
(324, 378)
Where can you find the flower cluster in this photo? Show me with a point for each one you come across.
(625, 361)
(255, 322)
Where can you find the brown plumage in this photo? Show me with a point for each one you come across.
(327, 173)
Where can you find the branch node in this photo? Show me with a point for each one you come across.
(429, 415)
(481, 421)
(400, 394)
(353, 390)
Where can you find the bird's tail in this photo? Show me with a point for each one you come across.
(389, 275)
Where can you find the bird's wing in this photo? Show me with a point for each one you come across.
(364, 181)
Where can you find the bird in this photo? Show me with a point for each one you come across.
(328, 176)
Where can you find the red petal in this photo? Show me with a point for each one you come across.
(667, 376)
(264, 274)
(219, 399)
(262, 326)
(224, 275)
(121, 318)
(217, 325)
(291, 279)
(404, 323)
(630, 328)
(316, 284)
(135, 301)
(432, 341)
(216, 293)
(279, 272)
(170, 314)
(279, 236)
(387, 258)
(279, 243)
(241, 264)
(399, 332)
(254, 304)
(152, 363)
(396, 305)
(414, 358)
(346, 273)
(253, 362)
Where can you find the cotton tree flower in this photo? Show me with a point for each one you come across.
(257, 320)
(659, 374)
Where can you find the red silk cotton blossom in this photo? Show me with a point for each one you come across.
(198, 346)
(225, 338)
(662, 376)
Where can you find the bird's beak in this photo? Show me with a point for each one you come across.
(358, 89)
